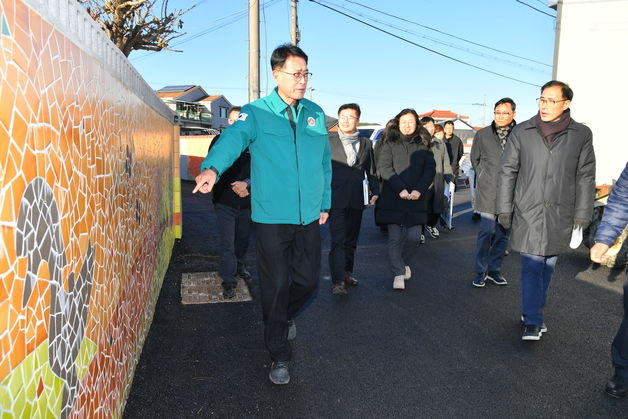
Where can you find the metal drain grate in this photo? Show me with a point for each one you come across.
(204, 288)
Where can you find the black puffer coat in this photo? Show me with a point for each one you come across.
(546, 186)
(403, 164)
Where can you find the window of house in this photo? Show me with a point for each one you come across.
(223, 112)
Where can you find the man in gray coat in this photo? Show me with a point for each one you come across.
(487, 150)
(545, 189)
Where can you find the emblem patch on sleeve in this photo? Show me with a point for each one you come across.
(311, 121)
(242, 116)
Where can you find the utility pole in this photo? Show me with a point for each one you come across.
(483, 105)
(295, 35)
(253, 50)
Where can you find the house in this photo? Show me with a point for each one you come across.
(201, 118)
(462, 126)
(218, 106)
(199, 112)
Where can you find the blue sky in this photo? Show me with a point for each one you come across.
(352, 62)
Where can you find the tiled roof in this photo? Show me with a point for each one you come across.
(210, 98)
(440, 114)
(168, 94)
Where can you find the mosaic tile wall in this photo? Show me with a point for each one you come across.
(87, 218)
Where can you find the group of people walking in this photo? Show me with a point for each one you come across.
(534, 186)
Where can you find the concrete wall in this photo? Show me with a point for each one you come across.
(592, 57)
(193, 150)
(88, 154)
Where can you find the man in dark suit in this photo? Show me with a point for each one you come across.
(455, 149)
(353, 185)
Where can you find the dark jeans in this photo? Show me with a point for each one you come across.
(288, 261)
(491, 244)
(402, 246)
(619, 350)
(344, 226)
(234, 227)
(536, 275)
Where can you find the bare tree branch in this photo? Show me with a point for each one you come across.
(133, 25)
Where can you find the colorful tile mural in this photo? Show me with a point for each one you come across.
(89, 211)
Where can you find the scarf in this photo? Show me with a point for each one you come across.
(503, 133)
(550, 129)
(350, 143)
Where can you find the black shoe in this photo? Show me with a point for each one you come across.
(244, 274)
(543, 328)
(292, 330)
(479, 281)
(531, 332)
(475, 217)
(279, 373)
(432, 231)
(339, 288)
(497, 278)
(228, 292)
(616, 387)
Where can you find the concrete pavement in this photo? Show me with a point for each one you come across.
(441, 348)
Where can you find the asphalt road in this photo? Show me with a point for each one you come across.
(439, 349)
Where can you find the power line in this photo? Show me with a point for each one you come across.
(448, 34)
(538, 10)
(438, 41)
(426, 48)
(233, 17)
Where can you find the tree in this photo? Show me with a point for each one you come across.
(132, 24)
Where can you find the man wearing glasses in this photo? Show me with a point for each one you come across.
(545, 191)
(487, 150)
(290, 195)
(354, 185)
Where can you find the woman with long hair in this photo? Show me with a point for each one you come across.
(407, 167)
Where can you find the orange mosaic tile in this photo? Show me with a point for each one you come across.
(87, 171)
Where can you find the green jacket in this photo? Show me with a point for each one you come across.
(290, 173)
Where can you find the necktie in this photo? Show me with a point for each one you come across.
(291, 118)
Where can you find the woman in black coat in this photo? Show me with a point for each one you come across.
(407, 167)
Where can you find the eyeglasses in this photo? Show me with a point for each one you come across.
(298, 76)
(347, 118)
(551, 102)
(502, 113)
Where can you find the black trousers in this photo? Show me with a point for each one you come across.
(344, 227)
(234, 228)
(619, 350)
(289, 263)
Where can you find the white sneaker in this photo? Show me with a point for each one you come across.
(432, 231)
(399, 282)
(408, 273)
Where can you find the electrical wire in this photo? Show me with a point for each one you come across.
(538, 10)
(448, 34)
(426, 48)
(233, 17)
(447, 44)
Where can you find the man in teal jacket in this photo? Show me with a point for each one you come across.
(290, 194)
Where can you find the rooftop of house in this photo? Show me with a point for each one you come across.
(441, 114)
(210, 98)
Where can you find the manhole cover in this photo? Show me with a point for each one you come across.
(204, 287)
